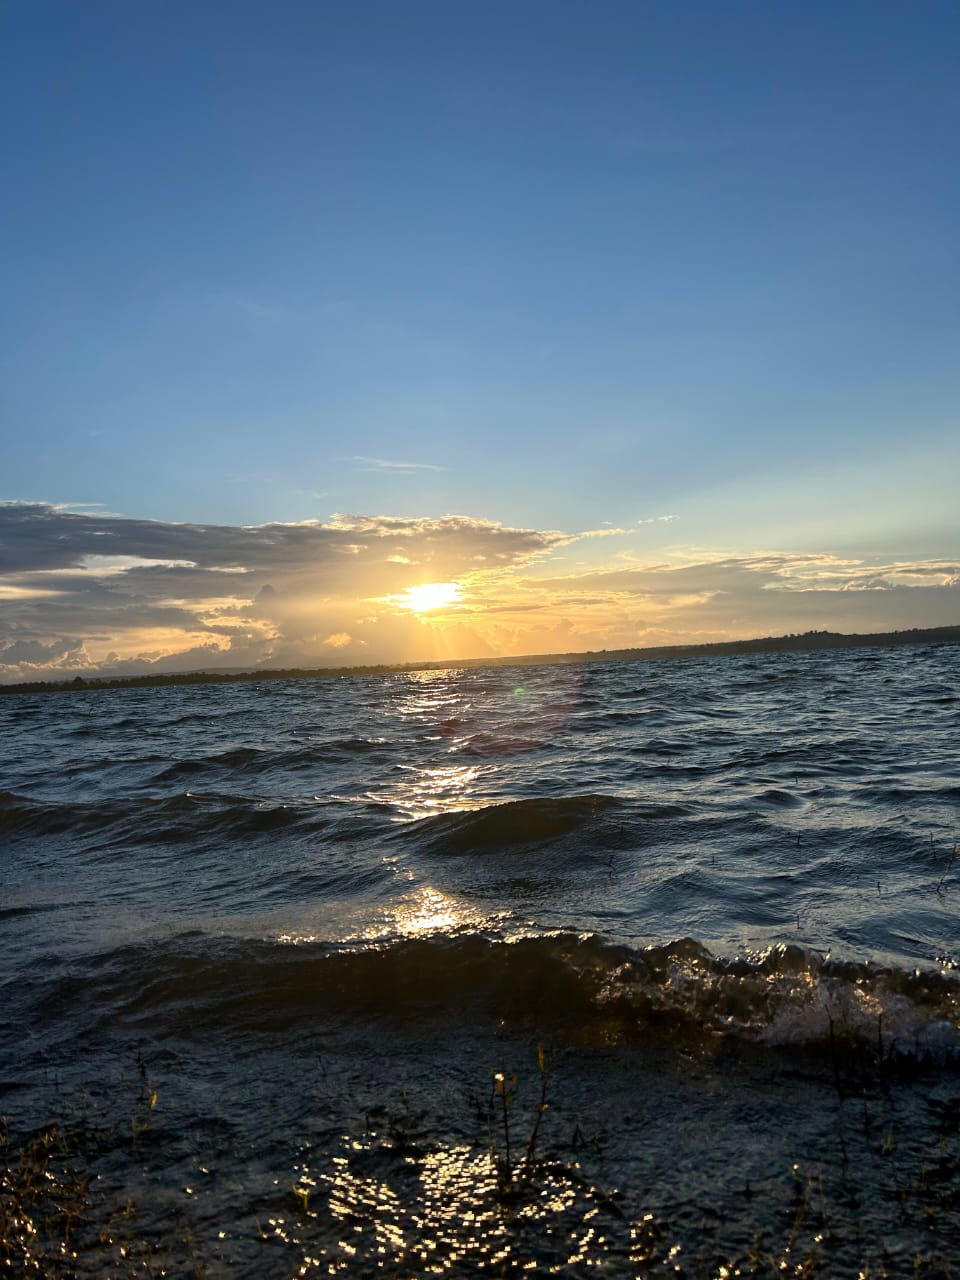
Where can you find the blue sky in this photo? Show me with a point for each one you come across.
(566, 267)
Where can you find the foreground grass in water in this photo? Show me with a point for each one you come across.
(391, 1197)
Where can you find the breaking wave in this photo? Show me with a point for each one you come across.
(579, 985)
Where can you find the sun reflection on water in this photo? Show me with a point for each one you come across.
(418, 914)
(423, 792)
(427, 911)
(393, 1204)
(486, 714)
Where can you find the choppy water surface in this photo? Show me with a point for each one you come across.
(296, 903)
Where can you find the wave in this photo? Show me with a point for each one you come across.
(21, 815)
(582, 985)
(172, 819)
(255, 761)
(515, 822)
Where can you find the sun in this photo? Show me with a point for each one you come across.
(429, 595)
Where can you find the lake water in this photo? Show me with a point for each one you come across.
(315, 917)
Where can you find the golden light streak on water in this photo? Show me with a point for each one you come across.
(445, 789)
(390, 1205)
(430, 911)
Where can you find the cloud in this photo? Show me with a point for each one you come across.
(151, 592)
(88, 590)
(245, 307)
(386, 464)
(712, 598)
(42, 537)
(33, 653)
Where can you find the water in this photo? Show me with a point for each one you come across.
(313, 915)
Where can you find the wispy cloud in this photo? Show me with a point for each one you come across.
(389, 464)
(246, 306)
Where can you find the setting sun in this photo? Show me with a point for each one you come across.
(429, 595)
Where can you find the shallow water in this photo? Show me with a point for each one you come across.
(292, 904)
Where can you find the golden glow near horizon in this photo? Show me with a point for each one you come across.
(352, 592)
(429, 595)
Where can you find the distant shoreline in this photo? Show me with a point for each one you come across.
(766, 644)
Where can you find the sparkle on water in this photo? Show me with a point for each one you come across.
(393, 1203)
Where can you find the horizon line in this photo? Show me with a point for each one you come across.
(790, 641)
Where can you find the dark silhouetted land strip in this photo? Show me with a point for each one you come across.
(764, 644)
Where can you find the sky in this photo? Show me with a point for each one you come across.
(342, 333)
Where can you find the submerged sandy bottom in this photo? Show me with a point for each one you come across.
(384, 1151)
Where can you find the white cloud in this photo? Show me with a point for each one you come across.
(387, 464)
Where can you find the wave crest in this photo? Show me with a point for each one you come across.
(581, 985)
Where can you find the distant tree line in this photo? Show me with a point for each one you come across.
(765, 644)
